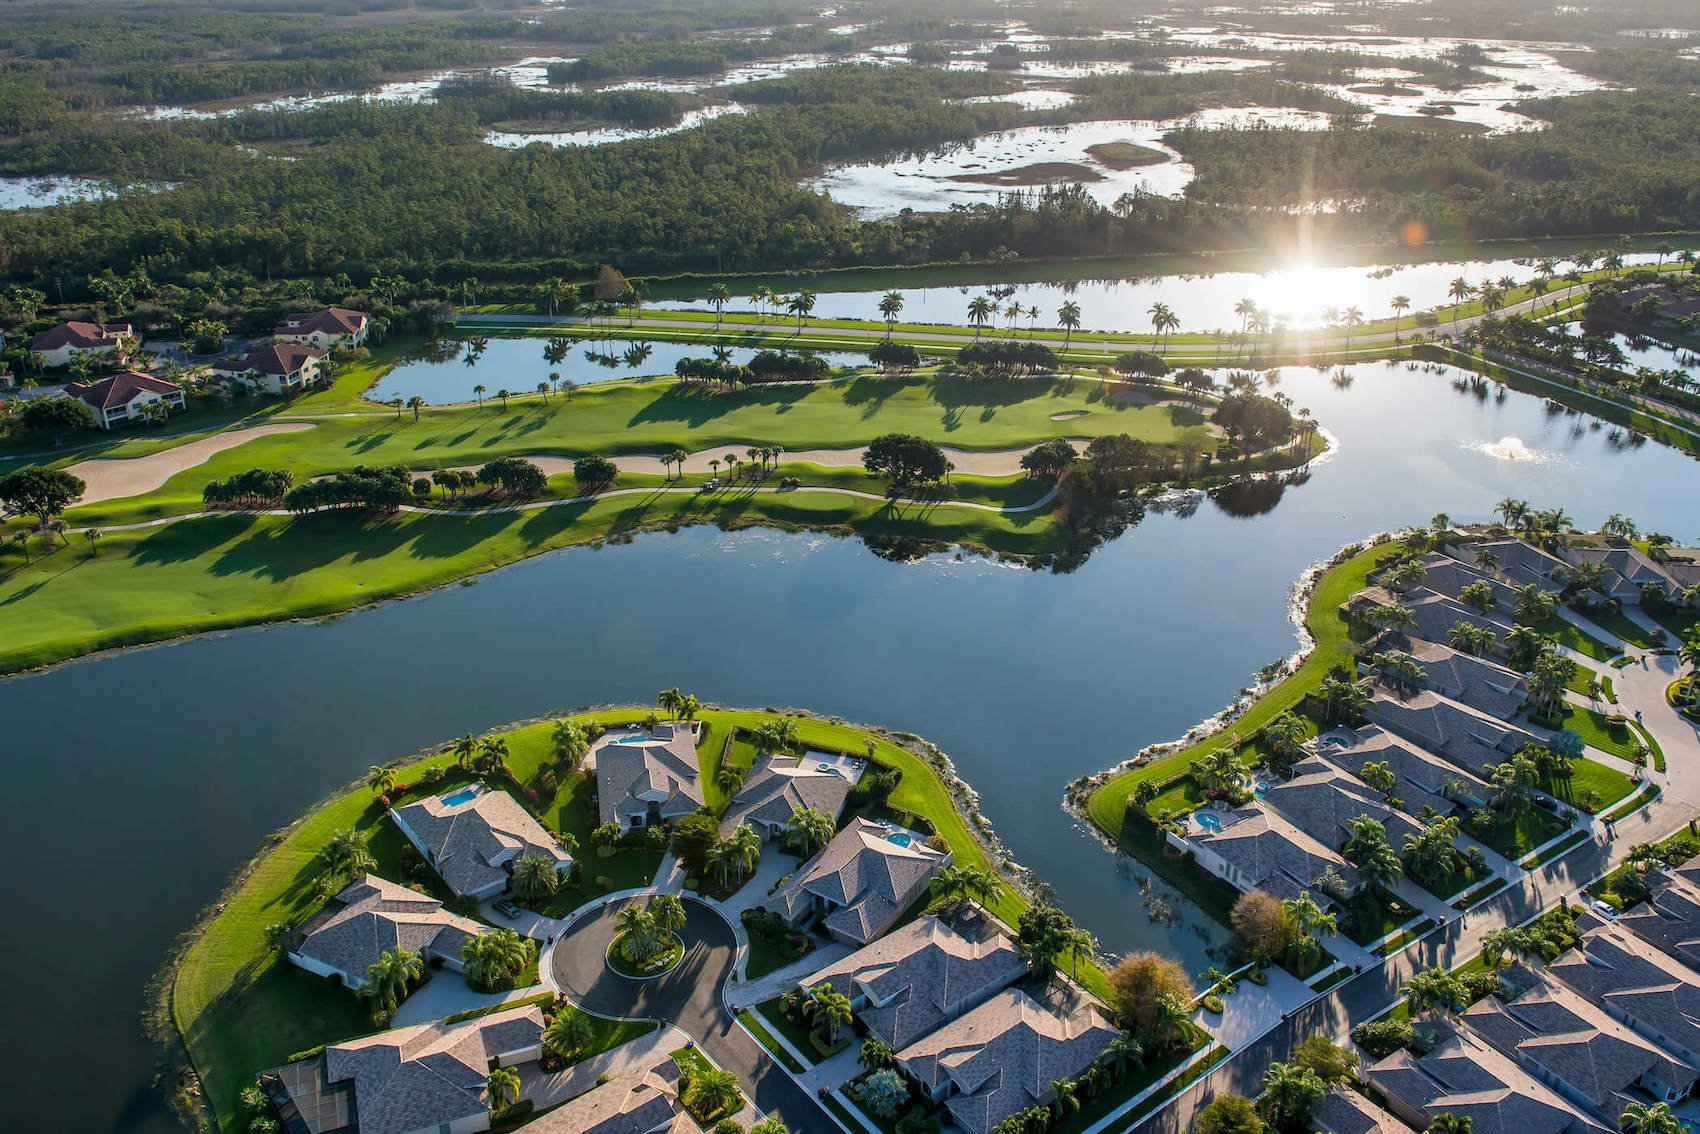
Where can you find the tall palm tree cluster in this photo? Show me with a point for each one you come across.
(647, 934)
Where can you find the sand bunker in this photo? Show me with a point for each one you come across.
(115, 478)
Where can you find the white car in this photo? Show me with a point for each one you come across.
(1605, 910)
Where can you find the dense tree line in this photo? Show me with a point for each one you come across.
(1008, 357)
(251, 488)
(374, 489)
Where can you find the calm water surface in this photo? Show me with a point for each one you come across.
(141, 780)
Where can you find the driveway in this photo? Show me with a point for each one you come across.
(689, 998)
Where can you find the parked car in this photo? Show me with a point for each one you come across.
(507, 909)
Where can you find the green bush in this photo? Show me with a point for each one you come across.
(1213, 1003)
(1381, 1038)
(604, 883)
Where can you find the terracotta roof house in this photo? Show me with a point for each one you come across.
(1627, 570)
(1462, 1075)
(646, 776)
(1469, 738)
(1520, 563)
(334, 327)
(780, 786)
(1344, 1111)
(1435, 614)
(126, 397)
(1423, 779)
(862, 881)
(426, 1078)
(1657, 996)
(627, 1104)
(1002, 1057)
(274, 367)
(923, 975)
(370, 917)
(472, 838)
(59, 345)
(1578, 1050)
(1320, 800)
(1254, 848)
(1477, 682)
(1670, 917)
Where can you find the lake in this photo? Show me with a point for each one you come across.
(139, 808)
(1299, 293)
(447, 371)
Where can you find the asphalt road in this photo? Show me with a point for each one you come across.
(689, 998)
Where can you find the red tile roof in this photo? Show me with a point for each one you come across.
(77, 334)
(120, 389)
(274, 358)
(332, 321)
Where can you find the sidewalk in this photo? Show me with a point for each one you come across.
(646, 1053)
(740, 995)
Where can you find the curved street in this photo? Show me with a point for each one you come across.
(689, 998)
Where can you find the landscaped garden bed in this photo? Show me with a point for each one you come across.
(649, 968)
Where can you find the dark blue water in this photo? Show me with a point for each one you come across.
(140, 780)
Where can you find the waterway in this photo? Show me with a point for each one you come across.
(140, 780)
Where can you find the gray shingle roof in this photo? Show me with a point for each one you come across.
(1320, 799)
(1658, 995)
(1344, 1111)
(469, 844)
(1574, 1042)
(1473, 681)
(865, 878)
(629, 1104)
(1627, 569)
(371, 917)
(1435, 614)
(1003, 1056)
(1275, 855)
(659, 766)
(1422, 776)
(1670, 917)
(1470, 739)
(412, 1078)
(921, 975)
(1519, 563)
(1462, 1075)
(780, 786)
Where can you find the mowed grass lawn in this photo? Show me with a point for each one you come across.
(240, 1010)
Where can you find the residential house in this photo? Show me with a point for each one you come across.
(626, 1104)
(1002, 1057)
(1344, 1111)
(334, 328)
(371, 917)
(1433, 614)
(1577, 1050)
(1481, 684)
(779, 786)
(1657, 996)
(426, 1079)
(1626, 569)
(62, 344)
(1253, 848)
(1321, 799)
(646, 776)
(1463, 1076)
(1519, 563)
(923, 975)
(1448, 576)
(276, 368)
(1422, 778)
(862, 881)
(1670, 917)
(473, 837)
(1469, 738)
(128, 397)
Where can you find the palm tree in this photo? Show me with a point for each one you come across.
(801, 305)
(690, 707)
(535, 877)
(710, 1090)
(1063, 1098)
(719, 295)
(809, 830)
(380, 779)
(875, 1054)
(745, 848)
(675, 456)
(504, 394)
(668, 912)
(1400, 304)
(1068, 317)
(1353, 319)
(478, 391)
(503, 1086)
(346, 855)
(465, 749)
(1288, 1092)
(827, 1009)
(723, 857)
(569, 1032)
(1638, 1118)
(1163, 321)
(636, 930)
(891, 305)
(492, 960)
(1459, 290)
(1246, 309)
(1218, 770)
(670, 700)
(389, 977)
(979, 312)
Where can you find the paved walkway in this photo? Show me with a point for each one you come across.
(647, 1052)
(447, 994)
(743, 995)
(1252, 1009)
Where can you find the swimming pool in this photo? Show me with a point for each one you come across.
(464, 795)
(1209, 820)
(901, 838)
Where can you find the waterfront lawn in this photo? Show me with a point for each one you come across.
(1145, 842)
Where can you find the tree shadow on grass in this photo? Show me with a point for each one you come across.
(438, 538)
(872, 393)
(697, 407)
(958, 391)
(185, 540)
